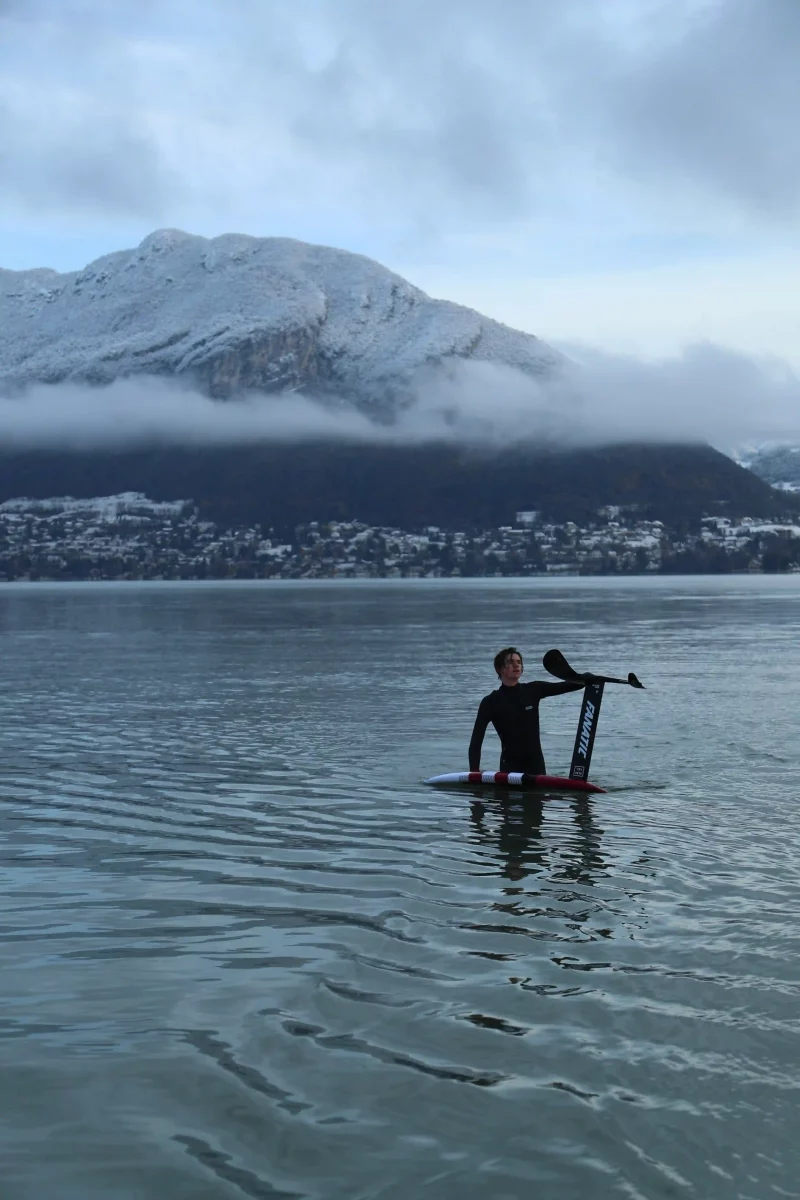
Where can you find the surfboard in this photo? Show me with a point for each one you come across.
(507, 779)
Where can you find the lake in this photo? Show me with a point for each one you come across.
(245, 951)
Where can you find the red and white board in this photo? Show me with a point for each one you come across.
(549, 783)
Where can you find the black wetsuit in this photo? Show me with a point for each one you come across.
(514, 712)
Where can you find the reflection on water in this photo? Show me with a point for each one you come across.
(518, 835)
(246, 953)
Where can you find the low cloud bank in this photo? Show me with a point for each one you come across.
(143, 410)
(706, 394)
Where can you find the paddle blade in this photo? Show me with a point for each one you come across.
(633, 681)
(555, 663)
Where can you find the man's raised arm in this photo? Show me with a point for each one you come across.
(558, 689)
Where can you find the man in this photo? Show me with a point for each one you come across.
(514, 711)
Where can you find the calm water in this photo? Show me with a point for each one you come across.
(245, 953)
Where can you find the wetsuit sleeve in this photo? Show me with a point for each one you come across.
(558, 689)
(476, 741)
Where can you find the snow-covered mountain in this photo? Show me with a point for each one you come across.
(778, 465)
(235, 313)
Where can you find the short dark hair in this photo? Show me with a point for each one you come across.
(501, 657)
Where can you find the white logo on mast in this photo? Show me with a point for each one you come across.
(586, 729)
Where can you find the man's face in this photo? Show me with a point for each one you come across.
(512, 669)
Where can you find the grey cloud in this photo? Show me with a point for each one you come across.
(72, 135)
(144, 410)
(493, 106)
(718, 106)
(95, 162)
(440, 111)
(706, 394)
(413, 96)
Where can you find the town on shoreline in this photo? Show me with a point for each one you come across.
(129, 536)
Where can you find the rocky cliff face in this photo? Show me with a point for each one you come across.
(238, 313)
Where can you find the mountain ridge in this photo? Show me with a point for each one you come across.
(237, 313)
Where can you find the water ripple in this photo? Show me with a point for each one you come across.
(246, 953)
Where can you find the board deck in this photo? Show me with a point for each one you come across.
(506, 779)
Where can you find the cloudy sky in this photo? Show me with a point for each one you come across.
(622, 173)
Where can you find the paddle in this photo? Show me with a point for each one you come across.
(557, 665)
